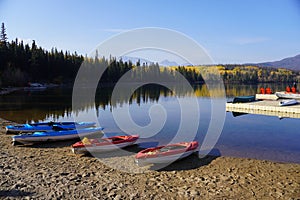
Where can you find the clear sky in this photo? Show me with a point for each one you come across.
(231, 31)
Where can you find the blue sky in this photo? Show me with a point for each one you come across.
(231, 31)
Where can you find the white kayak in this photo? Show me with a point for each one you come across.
(288, 102)
(287, 95)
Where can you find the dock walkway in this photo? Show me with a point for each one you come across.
(270, 108)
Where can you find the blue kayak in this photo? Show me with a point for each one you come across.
(47, 126)
(36, 137)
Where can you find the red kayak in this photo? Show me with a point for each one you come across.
(103, 144)
(166, 154)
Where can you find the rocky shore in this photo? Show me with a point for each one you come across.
(51, 171)
(4, 91)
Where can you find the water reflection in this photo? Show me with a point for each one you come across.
(23, 106)
(254, 136)
(56, 103)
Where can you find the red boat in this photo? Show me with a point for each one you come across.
(103, 144)
(166, 154)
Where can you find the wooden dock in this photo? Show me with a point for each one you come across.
(270, 108)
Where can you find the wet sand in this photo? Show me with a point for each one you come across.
(52, 171)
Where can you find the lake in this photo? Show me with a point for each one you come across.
(250, 136)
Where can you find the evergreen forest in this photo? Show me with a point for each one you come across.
(22, 63)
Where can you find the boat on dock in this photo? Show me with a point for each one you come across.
(243, 99)
(288, 102)
(35, 87)
(288, 95)
(166, 154)
(47, 126)
(103, 144)
(36, 137)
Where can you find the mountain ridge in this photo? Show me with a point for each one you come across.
(292, 63)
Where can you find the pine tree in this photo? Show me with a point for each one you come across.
(3, 37)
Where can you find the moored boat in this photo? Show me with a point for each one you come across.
(47, 126)
(35, 86)
(287, 95)
(288, 102)
(103, 144)
(243, 99)
(35, 137)
(166, 154)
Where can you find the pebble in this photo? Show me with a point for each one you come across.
(194, 192)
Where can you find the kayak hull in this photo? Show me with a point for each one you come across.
(166, 154)
(287, 95)
(104, 144)
(288, 102)
(162, 160)
(37, 137)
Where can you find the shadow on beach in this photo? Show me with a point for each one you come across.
(14, 193)
(191, 162)
(127, 151)
(51, 144)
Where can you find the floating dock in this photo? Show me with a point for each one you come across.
(266, 107)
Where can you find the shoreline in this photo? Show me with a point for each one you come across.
(9, 90)
(52, 171)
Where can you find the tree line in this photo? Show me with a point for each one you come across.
(239, 74)
(22, 63)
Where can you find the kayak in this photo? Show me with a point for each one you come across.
(47, 126)
(243, 99)
(166, 154)
(103, 144)
(288, 102)
(287, 95)
(35, 137)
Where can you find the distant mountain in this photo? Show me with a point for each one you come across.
(167, 63)
(134, 60)
(186, 64)
(292, 63)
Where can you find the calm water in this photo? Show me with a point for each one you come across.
(252, 136)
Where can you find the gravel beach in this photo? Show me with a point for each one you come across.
(52, 171)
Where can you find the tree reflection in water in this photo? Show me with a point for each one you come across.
(56, 103)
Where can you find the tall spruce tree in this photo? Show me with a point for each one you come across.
(3, 36)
